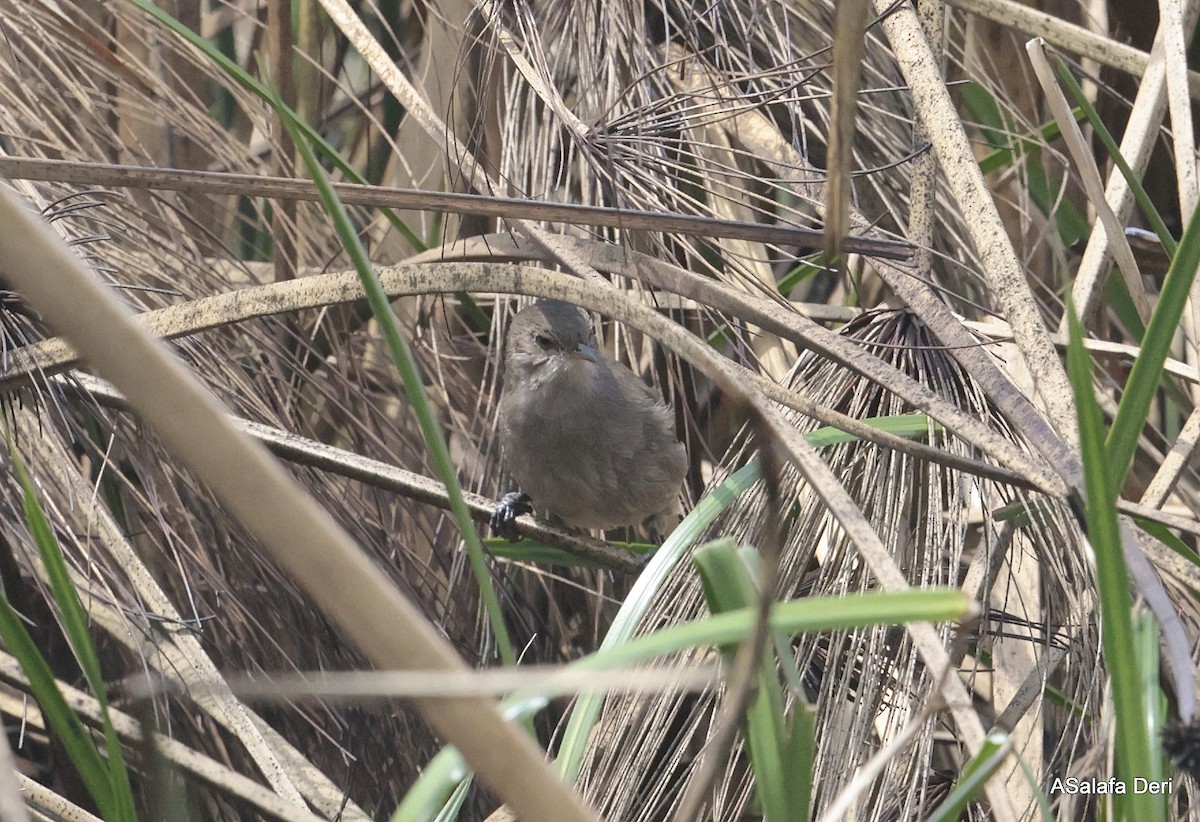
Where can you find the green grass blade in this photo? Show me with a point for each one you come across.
(1001, 158)
(1164, 535)
(1147, 371)
(414, 386)
(730, 579)
(1145, 630)
(60, 719)
(1114, 151)
(75, 628)
(803, 271)
(983, 108)
(532, 551)
(997, 130)
(257, 88)
(978, 771)
(1121, 305)
(801, 754)
(797, 616)
(1071, 224)
(1116, 606)
(438, 781)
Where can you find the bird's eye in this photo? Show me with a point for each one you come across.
(544, 340)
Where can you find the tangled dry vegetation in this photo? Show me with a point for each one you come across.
(747, 120)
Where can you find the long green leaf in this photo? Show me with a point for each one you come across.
(263, 92)
(1147, 371)
(997, 130)
(438, 779)
(1084, 105)
(1116, 605)
(797, 616)
(59, 717)
(1145, 630)
(414, 385)
(1164, 535)
(979, 770)
(75, 628)
(730, 579)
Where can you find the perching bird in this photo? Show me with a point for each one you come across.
(584, 438)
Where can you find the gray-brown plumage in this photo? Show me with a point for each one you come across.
(583, 436)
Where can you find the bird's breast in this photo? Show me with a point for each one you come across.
(595, 450)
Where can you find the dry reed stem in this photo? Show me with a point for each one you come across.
(1171, 33)
(1000, 263)
(417, 108)
(304, 451)
(923, 178)
(1137, 143)
(1067, 36)
(52, 356)
(58, 808)
(1085, 166)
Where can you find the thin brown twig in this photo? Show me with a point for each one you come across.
(285, 188)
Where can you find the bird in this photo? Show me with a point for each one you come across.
(586, 440)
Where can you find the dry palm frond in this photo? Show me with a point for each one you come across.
(868, 684)
(723, 113)
(674, 111)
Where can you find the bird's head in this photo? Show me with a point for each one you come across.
(551, 341)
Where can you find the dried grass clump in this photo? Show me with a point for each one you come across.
(867, 685)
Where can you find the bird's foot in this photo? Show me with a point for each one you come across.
(661, 525)
(511, 505)
(644, 558)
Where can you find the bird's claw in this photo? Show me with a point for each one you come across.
(642, 560)
(511, 505)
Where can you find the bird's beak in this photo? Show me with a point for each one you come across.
(586, 352)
